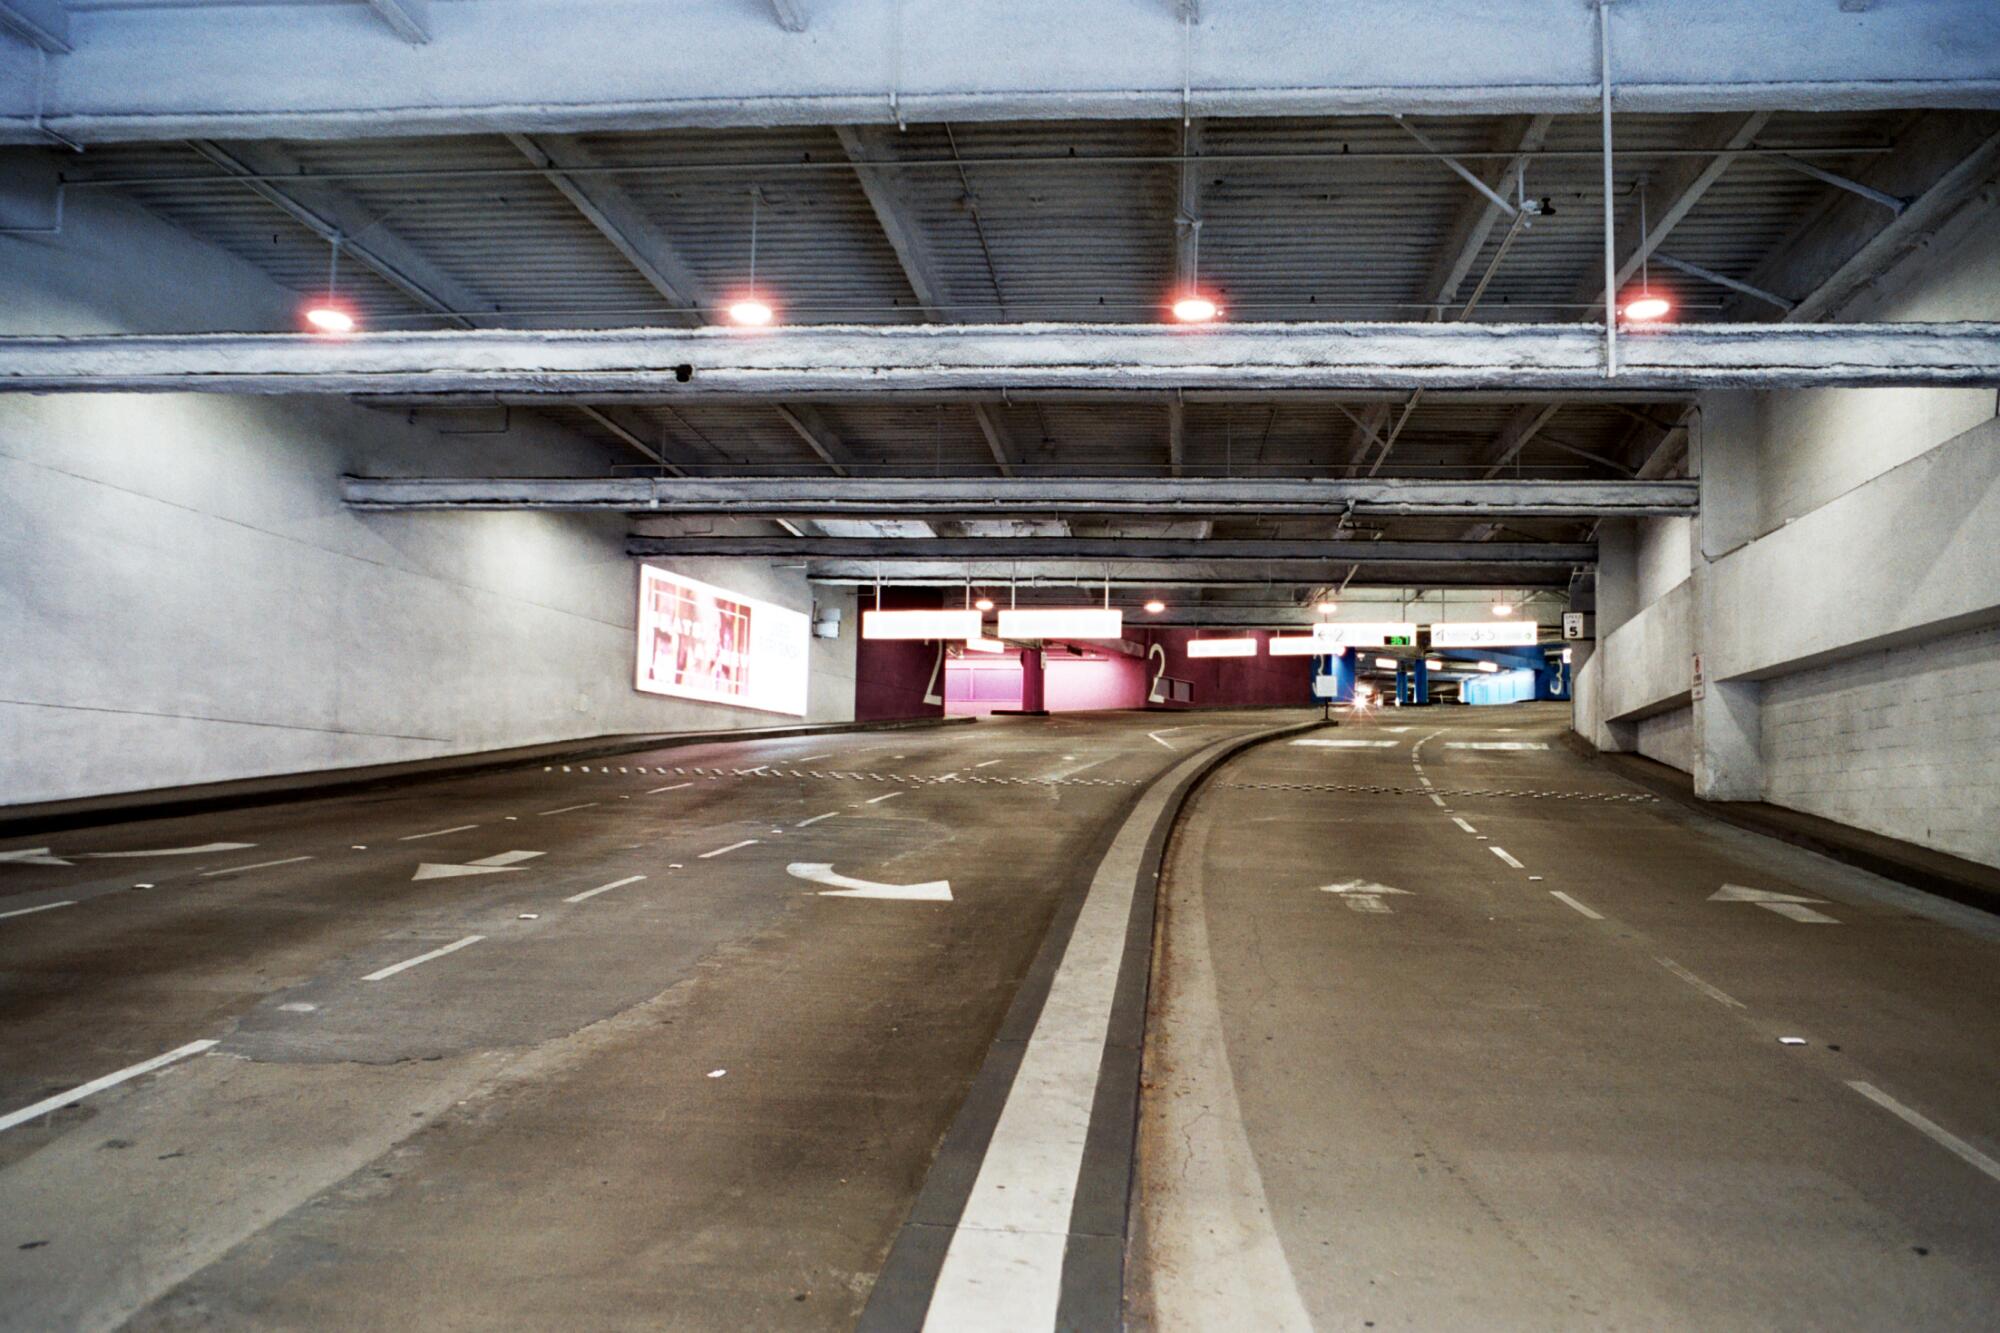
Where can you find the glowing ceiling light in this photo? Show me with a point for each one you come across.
(1647, 307)
(1386, 663)
(1154, 608)
(1195, 309)
(983, 604)
(1245, 647)
(1327, 608)
(1486, 666)
(1433, 664)
(1502, 609)
(326, 317)
(750, 312)
(985, 645)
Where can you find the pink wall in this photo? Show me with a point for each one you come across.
(977, 683)
(1102, 679)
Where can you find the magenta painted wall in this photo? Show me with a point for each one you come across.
(977, 683)
(893, 676)
(1220, 681)
(1103, 679)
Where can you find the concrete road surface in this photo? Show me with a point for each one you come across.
(1453, 1029)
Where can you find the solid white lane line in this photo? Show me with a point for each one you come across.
(603, 888)
(257, 865)
(563, 810)
(674, 787)
(78, 1093)
(1155, 737)
(45, 907)
(1501, 852)
(989, 763)
(1719, 996)
(394, 968)
(1564, 897)
(1930, 1129)
(436, 833)
(1462, 824)
(877, 800)
(815, 819)
(730, 848)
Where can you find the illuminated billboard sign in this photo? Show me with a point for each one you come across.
(1355, 634)
(698, 641)
(1486, 634)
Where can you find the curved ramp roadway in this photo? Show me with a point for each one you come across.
(1555, 1075)
(606, 1063)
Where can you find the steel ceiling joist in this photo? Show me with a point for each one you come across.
(1117, 548)
(836, 360)
(991, 497)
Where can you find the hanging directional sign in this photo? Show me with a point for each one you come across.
(485, 865)
(1362, 895)
(1784, 904)
(820, 872)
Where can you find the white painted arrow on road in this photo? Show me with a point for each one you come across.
(820, 872)
(1784, 904)
(1363, 895)
(485, 865)
(34, 856)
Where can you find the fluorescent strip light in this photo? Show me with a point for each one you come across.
(1062, 622)
(1355, 634)
(1433, 664)
(1293, 645)
(1387, 663)
(1485, 666)
(985, 645)
(1222, 648)
(1486, 634)
(920, 625)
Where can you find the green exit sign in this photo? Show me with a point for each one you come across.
(1399, 641)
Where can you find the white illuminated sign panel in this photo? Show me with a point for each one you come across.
(1295, 645)
(1222, 648)
(698, 641)
(1062, 622)
(1486, 634)
(1358, 634)
(920, 624)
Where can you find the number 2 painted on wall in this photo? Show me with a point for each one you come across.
(933, 694)
(1158, 654)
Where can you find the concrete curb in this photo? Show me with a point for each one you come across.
(1934, 872)
(1094, 1261)
(168, 802)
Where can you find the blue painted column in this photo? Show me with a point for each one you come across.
(1420, 682)
(1341, 667)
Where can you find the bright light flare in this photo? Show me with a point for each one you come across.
(1647, 308)
(327, 318)
(1195, 309)
(983, 604)
(750, 312)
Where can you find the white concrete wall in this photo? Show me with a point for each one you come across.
(1663, 556)
(1667, 737)
(1904, 742)
(183, 598)
(1844, 582)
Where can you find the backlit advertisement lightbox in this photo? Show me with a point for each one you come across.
(698, 641)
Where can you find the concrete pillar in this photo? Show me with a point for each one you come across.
(1728, 466)
(1031, 680)
(1728, 741)
(1728, 760)
(1617, 574)
(1341, 667)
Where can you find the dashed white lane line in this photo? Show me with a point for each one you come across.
(671, 787)
(808, 758)
(1930, 1129)
(563, 810)
(1713, 993)
(1560, 896)
(815, 819)
(1502, 853)
(1458, 820)
(1157, 737)
(877, 800)
(730, 848)
(254, 865)
(989, 763)
(1438, 801)
(603, 888)
(78, 1093)
(947, 777)
(407, 963)
(45, 907)
(436, 832)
